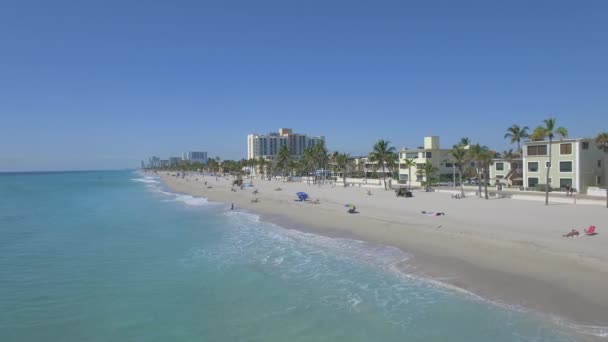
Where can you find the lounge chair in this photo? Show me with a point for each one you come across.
(590, 231)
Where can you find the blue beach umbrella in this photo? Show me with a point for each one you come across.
(302, 196)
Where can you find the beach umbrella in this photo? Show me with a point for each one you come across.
(349, 205)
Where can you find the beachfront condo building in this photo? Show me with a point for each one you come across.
(363, 167)
(507, 172)
(432, 152)
(576, 163)
(194, 157)
(267, 145)
(174, 161)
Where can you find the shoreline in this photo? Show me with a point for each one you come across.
(551, 280)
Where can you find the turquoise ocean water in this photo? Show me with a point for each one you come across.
(113, 256)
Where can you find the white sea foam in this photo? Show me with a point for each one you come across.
(299, 256)
(191, 200)
(146, 180)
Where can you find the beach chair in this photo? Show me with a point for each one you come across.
(590, 231)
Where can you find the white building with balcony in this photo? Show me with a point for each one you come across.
(267, 145)
(432, 152)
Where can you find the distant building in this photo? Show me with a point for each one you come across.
(367, 168)
(164, 163)
(577, 163)
(432, 152)
(267, 145)
(143, 165)
(507, 172)
(174, 161)
(154, 162)
(195, 157)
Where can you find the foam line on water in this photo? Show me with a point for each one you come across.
(389, 259)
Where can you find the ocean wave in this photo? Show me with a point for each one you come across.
(191, 200)
(146, 180)
(347, 268)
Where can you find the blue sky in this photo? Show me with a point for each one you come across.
(104, 84)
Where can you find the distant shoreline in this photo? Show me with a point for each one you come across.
(500, 261)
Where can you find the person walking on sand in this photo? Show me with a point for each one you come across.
(232, 206)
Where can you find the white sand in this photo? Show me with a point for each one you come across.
(507, 250)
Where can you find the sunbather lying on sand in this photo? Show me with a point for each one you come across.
(572, 233)
(431, 213)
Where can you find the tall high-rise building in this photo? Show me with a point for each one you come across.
(195, 157)
(268, 145)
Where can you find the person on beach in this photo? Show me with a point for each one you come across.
(232, 206)
(572, 233)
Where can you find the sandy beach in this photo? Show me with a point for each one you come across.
(505, 250)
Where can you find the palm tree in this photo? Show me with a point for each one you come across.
(409, 163)
(516, 134)
(549, 130)
(508, 155)
(283, 159)
(308, 162)
(321, 156)
(293, 166)
(385, 155)
(343, 160)
(262, 163)
(602, 143)
(459, 155)
(428, 171)
(475, 154)
(485, 159)
(464, 141)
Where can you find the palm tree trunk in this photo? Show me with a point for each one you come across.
(479, 182)
(461, 188)
(547, 176)
(486, 175)
(409, 178)
(384, 175)
(606, 177)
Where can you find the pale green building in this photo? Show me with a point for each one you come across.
(577, 163)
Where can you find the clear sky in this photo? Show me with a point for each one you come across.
(104, 84)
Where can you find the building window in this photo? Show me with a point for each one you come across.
(585, 145)
(565, 166)
(403, 177)
(547, 164)
(599, 163)
(598, 180)
(411, 155)
(419, 166)
(449, 165)
(537, 150)
(533, 166)
(565, 183)
(419, 178)
(565, 148)
(429, 155)
(500, 166)
(532, 182)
